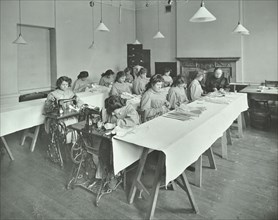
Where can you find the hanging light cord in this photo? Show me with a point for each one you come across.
(158, 13)
(239, 11)
(55, 15)
(93, 22)
(19, 17)
(101, 11)
(135, 18)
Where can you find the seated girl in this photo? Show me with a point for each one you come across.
(63, 92)
(120, 114)
(125, 116)
(139, 84)
(65, 99)
(136, 70)
(82, 82)
(167, 78)
(128, 73)
(176, 94)
(107, 78)
(153, 101)
(195, 90)
(120, 86)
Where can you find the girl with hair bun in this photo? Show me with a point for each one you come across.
(82, 82)
(107, 78)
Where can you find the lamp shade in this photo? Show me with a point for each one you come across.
(136, 42)
(102, 27)
(202, 15)
(241, 29)
(158, 35)
(20, 40)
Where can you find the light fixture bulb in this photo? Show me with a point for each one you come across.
(202, 15)
(102, 27)
(136, 42)
(158, 35)
(20, 40)
(241, 29)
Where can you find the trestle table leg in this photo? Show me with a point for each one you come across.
(156, 185)
(224, 146)
(138, 175)
(7, 148)
(198, 172)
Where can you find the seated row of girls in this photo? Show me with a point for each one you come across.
(137, 87)
(108, 77)
(154, 103)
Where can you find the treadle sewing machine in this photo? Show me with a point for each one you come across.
(63, 111)
(90, 159)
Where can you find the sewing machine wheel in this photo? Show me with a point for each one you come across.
(76, 151)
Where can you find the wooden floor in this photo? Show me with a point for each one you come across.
(242, 187)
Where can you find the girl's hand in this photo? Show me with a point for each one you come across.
(167, 104)
(164, 109)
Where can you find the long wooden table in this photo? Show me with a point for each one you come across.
(24, 115)
(179, 143)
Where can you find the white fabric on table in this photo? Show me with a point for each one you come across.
(181, 141)
(23, 115)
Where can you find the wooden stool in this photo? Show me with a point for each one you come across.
(33, 136)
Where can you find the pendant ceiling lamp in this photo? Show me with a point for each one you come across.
(158, 35)
(102, 26)
(93, 25)
(19, 39)
(202, 15)
(240, 29)
(136, 42)
(135, 18)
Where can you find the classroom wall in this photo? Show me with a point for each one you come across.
(257, 52)
(260, 47)
(73, 37)
(162, 50)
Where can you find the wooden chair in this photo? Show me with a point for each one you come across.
(260, 115)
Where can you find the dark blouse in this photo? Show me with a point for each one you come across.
(217, 83)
